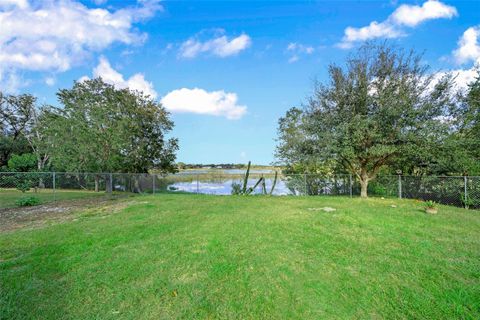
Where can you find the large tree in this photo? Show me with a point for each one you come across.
(468, 135)
(100, 128)
(296, 152)
(380, 104)
(20, 121)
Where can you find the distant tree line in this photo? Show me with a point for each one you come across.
(186, 166)
(383, 112)
(95, 128)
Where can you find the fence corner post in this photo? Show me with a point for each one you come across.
(465, 192)
(400, 186)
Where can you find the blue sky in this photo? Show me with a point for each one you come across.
(227, 70)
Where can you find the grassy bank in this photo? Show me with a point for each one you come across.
(194, 256)
(8, 197)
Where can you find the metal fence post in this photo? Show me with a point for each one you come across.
(465, 191)
(351, 185)
(305, 181)
(154, 176)
(399, 186)
(53, 184)
(110, 183)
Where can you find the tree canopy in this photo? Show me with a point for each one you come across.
(19, 124)
(382, 106)
(103, 129)
(96, 128)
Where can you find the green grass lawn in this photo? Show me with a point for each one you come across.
(8, 197)
(201, 257)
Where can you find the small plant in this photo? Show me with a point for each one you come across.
(264, 188)
(431, 207)
(24, 186)
(469, 201)
(238, 188)
(28, 202)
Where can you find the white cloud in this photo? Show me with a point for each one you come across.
(10, 82)
(373, 30)
(50, 81)
(217, 103)
(413, 15)
(297, 49)
(23, 4)
(403, 16)
(468, 46)
(220, 46)
(83, 78)
(463, 77)
(54, 35)
(136, 82)
(293, 59)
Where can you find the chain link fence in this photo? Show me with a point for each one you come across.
(51, 186)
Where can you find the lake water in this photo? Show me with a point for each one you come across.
(226, 171)
(224, 187)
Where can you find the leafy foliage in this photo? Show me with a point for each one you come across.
(28, 201)
(104, 129)
(430, 204)
(21, 123)
(23, 163)
(236, 188)
(471, 201)
(24, 185)
(243, 189)
(380, 105)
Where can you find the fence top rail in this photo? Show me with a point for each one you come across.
(76, 173)
(230, 174)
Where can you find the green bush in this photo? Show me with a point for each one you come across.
(377, 189)
(24, 185)
(236, 188)
(22, 163)
(470, 202)
(430, 204)
(28, 201)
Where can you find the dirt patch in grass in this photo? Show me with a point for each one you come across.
(55, 212)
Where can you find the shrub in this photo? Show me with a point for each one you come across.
(28, 202)
(470, 202)
(22, 163)
(236, 188)
(245, 190)
(430, 204)
(378, 189)
(24, 185)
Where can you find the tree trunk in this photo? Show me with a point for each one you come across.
(363, 184)
(41, 183)
(108, 183)
(136, 182)
(363, 188)
(97, 178)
